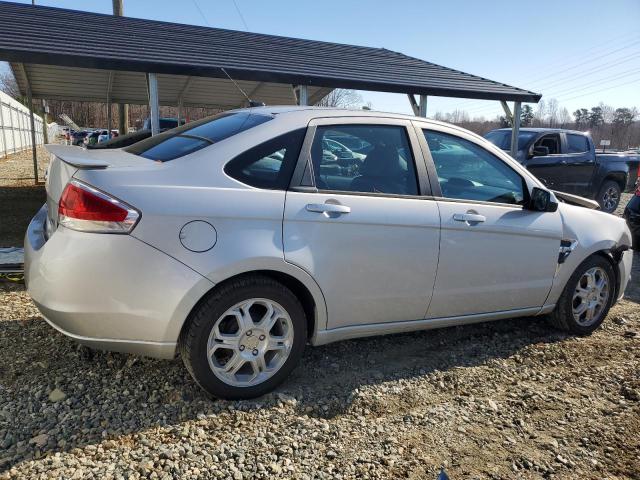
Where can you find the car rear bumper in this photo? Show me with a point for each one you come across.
(107, 291)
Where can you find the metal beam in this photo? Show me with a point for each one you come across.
(154, 103)
(423, 106)
(414, 104)
(33, 122)
(109, 87)
(255, 90)
(507, 111)
(515, 131)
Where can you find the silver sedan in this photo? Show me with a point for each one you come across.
(237, 240)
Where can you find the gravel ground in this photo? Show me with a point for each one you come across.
(497, 400)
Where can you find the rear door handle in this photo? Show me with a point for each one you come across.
(328, 208)
(469, 217)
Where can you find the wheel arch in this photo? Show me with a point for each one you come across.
(619, 177)
(606, 254)
(305, 289)
(559, 287)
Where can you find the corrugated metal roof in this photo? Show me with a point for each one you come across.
(69, 38)
(54, 82)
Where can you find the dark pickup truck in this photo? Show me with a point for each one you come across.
(566, 160)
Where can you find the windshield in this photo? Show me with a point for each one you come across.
(195, 135)
(502, 138)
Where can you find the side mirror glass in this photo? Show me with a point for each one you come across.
(540, 151)
(542, 201)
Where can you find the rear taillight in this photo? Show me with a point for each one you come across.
(86, 209)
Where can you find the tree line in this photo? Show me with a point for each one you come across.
(619, 125)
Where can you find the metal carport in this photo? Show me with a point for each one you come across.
(73, 55)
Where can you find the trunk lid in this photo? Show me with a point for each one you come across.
(66, 160)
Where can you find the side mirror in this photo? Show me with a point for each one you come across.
(540, 151)
(542, 201)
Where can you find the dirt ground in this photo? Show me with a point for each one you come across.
(508, 399)
(20, 198)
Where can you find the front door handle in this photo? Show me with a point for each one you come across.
(469, 217)
(328, 208)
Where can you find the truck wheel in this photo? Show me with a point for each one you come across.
(587, 297)
(244, 338)
(609, 196)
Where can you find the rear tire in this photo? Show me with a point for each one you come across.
(583, 306)
(244, 338)
(609, 196)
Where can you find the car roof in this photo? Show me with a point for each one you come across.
(309, 113)
(543, 130)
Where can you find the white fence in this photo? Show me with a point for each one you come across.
(15, 126)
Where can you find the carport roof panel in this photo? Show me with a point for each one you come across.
(54, 36)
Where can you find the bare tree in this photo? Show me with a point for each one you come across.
(552, 112)
(342, 98)
(9, 85)
(541, 111)
(564, 118)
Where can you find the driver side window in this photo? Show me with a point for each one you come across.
(467, 171)
(552, 142)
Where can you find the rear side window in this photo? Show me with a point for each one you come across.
(270, 164)
(577, 143)
(196, 135)
(364, 159)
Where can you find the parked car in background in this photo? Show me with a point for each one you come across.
(103, 137)
(63, 133)
(566, 160)
(632, 216)
(184, 241)
(166, 123)
(77, 137)
(92, 138)
(121, 140)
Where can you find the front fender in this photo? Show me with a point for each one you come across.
(594, 232)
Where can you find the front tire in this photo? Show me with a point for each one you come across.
(587, 297)
(609, 196)
(244, 338)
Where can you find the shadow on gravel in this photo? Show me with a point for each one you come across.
(17, 206)
(113, 395)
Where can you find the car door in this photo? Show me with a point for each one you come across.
(551, 168)
(363, 227)
(495, 256)
(580, 166)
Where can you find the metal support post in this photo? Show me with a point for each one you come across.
(303, 95)
(423, 106)
(154, 103)
(515, 131)
(33, 133)
(4, 133)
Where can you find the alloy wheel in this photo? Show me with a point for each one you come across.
(591, 296)
(610, 199)
(250, 342)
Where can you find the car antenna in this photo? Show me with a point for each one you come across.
(251, 102)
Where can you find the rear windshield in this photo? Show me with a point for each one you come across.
(502, 138)
(196, 135)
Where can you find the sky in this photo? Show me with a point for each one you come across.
(580, 52)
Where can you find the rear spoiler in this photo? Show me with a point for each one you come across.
(576, 200)
(75, 156)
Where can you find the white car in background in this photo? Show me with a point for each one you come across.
(235, 241)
